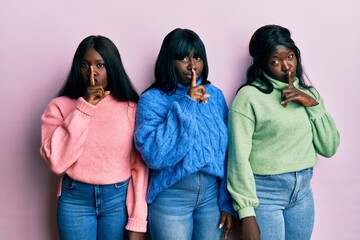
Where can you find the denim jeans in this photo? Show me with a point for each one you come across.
(187, 210)
(286, 206)
(91, 212)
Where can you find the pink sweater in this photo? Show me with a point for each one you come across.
(94, 144)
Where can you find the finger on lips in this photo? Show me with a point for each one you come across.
(91, 77)
(290, 80)
(193, 79)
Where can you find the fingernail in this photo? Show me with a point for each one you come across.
(221, 225)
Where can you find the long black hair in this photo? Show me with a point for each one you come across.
(262, 44)
(119, 83)
(178, 44)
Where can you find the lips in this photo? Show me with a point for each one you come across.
(188, 74)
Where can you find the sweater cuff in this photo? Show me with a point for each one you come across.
(228, 209)
(85, 107)
(136, 225)
(315, 111)
(188, 104)
(246, 212)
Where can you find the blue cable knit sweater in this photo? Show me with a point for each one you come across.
(177, 136)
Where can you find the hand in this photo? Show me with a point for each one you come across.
(136, 235)
(197, 92)
(249, 229)
(228, 219)
(94, 94)
(292, 94)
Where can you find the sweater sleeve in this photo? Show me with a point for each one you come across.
(326, 137)
(62, 137)
(136, 198)
(240, 178)
(164, 133)
(225, 200)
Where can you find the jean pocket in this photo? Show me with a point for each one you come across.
(122, 184)
(264, 177)
(68, 182)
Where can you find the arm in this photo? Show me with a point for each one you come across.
(326, 137)
(165, 130)
(62, 138)
(136, 197)
(240, 179)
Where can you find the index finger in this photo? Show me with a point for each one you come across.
(290, 80)
(193, 78)
(92, 81)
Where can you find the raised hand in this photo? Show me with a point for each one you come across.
(197, 92)
(292, 94)
(94, 93)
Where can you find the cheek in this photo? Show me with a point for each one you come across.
(83, 73)
(200, 68)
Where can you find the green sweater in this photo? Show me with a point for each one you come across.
(267, 138)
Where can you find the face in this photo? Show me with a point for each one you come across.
(185, 65)
(94, 59)
(282, 61)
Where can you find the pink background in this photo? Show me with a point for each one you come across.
(39, 38)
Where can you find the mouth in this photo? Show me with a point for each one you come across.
(188, 75)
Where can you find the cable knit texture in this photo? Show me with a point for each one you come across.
(178, 136)
(267, 138)
(94, 144)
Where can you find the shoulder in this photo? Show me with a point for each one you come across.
(213, 90)
(211, 87)
(60, 107)
(248, 92)
(246, 97)
(313, 92)
(150, 94)
(62, 102)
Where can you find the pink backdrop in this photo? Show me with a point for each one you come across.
(38, 40)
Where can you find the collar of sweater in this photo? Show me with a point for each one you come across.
(185, 88)
(106, 100)
(282, 85)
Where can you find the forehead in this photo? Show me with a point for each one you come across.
(92, 54)
(281, 50)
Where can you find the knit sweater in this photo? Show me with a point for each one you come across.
(178, 136)
(267, 138)
(94, 144)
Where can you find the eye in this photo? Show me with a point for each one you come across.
(198, 59)
(291, 56)
(100, 65)
(184, 59)
(274, 62)
(84, 65)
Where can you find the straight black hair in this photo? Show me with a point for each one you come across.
(119, 83)
(178, 44)
(262, 44)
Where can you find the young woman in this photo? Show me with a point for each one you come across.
(87, 138)
(277, 126)
(181, 133)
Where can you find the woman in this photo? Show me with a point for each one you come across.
(277, 126)
(181, 133)
(87, 138)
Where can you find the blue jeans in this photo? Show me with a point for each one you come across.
(187, 210)
(91, 212)
(286, 206)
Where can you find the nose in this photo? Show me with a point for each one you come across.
(285, 66)
(191, 64)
